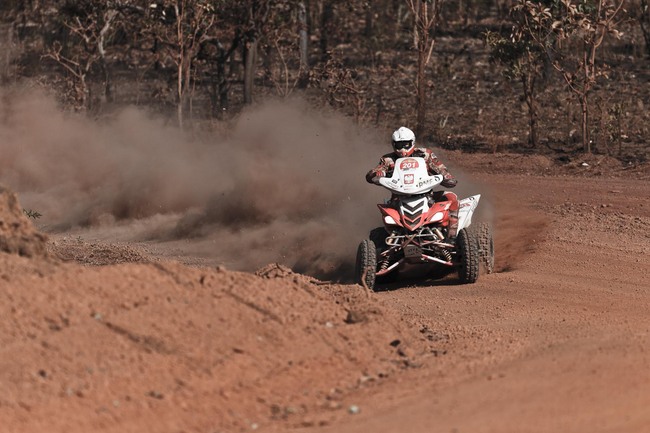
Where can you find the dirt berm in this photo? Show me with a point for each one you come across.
(158, 346)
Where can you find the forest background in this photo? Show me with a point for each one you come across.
(555, 77)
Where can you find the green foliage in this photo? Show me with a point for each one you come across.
(520, 56)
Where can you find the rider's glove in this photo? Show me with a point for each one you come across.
(375, 179)
(449, 183)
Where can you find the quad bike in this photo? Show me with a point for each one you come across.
(415, 231)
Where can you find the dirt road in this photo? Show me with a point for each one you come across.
(560, 343)
(557, 341)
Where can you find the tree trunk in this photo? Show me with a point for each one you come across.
(425, 17)
(180, 69)
(184, 71)
(422, 43)
(250, 49)
(589, 70)
(395, 20)
(367, 31)
(84, 93)
(187, 85)
(108, 86)
(220, 86)
(421, 102)
(326, 28)
(529, 95)
(5, 73)
(304, 36)
(586, 139)
(303, 80)
(179, 90)
(644, 22)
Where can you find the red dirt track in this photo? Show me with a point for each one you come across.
(113, 338)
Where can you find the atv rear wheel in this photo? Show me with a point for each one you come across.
(486, 246)
(468, 256)
(366, 267)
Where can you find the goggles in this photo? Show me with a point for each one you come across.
(399, 145)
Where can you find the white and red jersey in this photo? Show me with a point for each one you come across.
(434, 166)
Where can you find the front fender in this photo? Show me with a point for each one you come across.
(390, 216)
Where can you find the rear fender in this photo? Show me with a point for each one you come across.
(466, 208)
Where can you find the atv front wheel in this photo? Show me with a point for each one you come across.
(468, 256)
(486, 246)
(366, 268)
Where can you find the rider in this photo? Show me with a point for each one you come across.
(404, 145)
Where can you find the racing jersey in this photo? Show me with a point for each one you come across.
(434, 166)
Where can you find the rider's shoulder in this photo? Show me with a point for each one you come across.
(389, 157)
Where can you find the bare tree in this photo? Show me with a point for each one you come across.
(108, 16)
(303, 31)
(256, 13)
(643, 16)
(182, 27)
(219, 79)
(326, 28)
(8, 48)
(584, 22)
(341, 88)
(90, 26)
(523, 62)
(426, 14)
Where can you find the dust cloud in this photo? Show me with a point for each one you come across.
(282, 183)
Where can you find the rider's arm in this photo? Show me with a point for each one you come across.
(384, 167)
(436, 166)
(375, 174)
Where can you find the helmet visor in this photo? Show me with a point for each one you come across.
(399, 145)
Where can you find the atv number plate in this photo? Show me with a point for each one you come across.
(412, 251)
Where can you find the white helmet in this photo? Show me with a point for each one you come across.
(403, 141)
